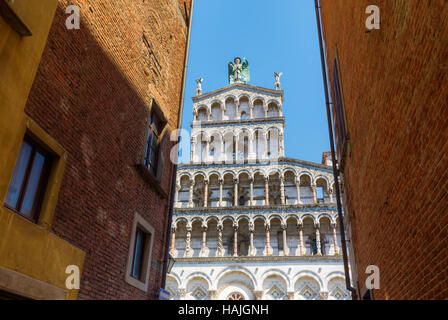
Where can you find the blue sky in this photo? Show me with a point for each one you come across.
(274, 36)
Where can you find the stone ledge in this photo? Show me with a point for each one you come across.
(260, 258)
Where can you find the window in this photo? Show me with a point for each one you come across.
(320, 194)
(155, 126)
(29, 180)
(340, 127)
(139, 259)
(141, 242)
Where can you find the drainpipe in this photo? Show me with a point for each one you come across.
(333, 157)
(179, 124)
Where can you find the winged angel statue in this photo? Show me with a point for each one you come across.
(239, 72)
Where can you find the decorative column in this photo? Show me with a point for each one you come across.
(251, 243)
(298, 201)
(266, 190)
(173, 240)
(219, 251)
(223, 110)
(282, 190)
(284, 226)
(190, 199)
(181, 293)
(251, 111)
(330, 194)
(251, 189)
(301, 247)
(319, 251)
(235, 192)
(313, 187)
(235, 239)
(266, 145)
(193, 146)
(221, 183)
(207, 152)
(176, 195)
(237, 112)
(205, 193)
(204, 240)
(188, 241)
(335, 239)
(236, 148)
(268, 239)
(222, 156)
(281, 145)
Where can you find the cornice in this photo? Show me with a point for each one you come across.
(236, 85)
(259, 258)
(281, 161)
(221, 123)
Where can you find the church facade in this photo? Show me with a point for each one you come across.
(248, 222)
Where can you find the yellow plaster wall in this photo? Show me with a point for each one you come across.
(25, 247)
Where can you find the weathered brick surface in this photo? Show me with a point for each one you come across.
(92, 93)
(395, 87)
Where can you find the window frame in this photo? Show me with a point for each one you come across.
(42, 183)
(141, 283)
(342, 137)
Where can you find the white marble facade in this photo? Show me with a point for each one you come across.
(248, 222)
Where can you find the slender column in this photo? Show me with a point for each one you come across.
(190, 199)
(266, 190)
(298, 201)
(176, 196)
(222, 156)
(335, 239)
(251, 244)
(237, 111)
(236, 148)
(268, 239)
(285, 244)
(204, 240)
(251, 111)
(301, 247)
(235, 240)
(330, 194)
(173, 240)
(221, 183)
(188, 241)
(220, 248)
(319, 251)
(251, 189)
(281, 145)
(313, 187)
(282, 190)
(207, 153)
(193, 146)
(205, 193)
(266, 146)
(265, 111)
(223, 110)
(235, 192)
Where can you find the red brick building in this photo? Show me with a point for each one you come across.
(390, 87)
(102, 92)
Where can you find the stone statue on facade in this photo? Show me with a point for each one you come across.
(239, 72)
(277, 76)
(199, 86)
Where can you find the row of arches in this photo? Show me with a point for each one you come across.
(236, 108)
(272, 235)
(237, 283)
(256, 188)
(244, 145)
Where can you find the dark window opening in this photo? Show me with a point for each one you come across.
(140, 248)
(29, 180)
(155, 126)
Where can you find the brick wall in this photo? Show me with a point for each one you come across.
(92, 94)
(396, 177)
